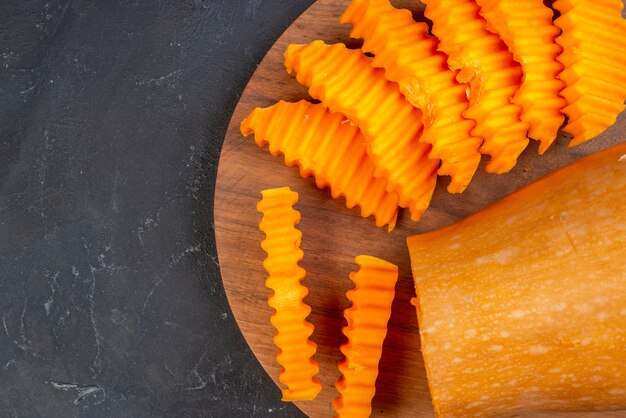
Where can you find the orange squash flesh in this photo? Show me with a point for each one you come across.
(345, 82)
(372, 296)
(282, 244)
(526, 28)
(522, 306)
(327, 146)
(593, 39)
(491, 74)
(409, 56)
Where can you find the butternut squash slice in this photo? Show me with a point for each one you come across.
(372, 296)
(327, 146)
(594, 42)
(409, 56)
(282, 244)
(492, 76)
(345, 82)
(522, 306)
(526, 28)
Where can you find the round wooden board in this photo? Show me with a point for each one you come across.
(334, 235)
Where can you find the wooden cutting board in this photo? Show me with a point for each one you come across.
(334, 235)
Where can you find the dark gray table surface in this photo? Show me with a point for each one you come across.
(112, 115)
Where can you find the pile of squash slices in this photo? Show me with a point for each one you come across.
(417, 101)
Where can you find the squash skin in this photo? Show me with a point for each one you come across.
(522, 306)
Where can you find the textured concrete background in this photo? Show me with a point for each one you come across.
(112, 115)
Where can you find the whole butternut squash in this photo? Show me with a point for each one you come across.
(522, 306)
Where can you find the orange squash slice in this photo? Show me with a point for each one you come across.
(282, 244)
(345, 82)
(526, 28)
(367, 319)
(493, 77)
(327, 146)
(409, 56)
(594, 46)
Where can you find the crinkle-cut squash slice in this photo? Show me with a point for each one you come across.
(493, 77)
(345, 82)
(282, 245)
(409, 56)
(593, 39)
(371, 297)
(327, 146)
(526, 28)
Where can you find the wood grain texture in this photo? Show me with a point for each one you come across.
(334, 235)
